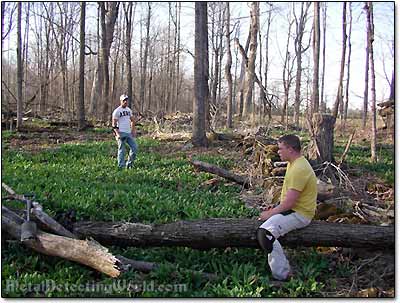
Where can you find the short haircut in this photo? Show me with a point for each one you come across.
(291, 140)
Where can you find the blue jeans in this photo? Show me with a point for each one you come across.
(126, 138)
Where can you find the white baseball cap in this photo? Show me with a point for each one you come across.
(123, 97)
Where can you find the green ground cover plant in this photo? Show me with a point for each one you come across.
(161, 188)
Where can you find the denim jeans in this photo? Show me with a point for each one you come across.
(126, 138)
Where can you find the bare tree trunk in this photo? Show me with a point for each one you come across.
(366, 80)
(168, 71)
(19, 67)
(178, 34)
(346, 104)
(129, 15)
(322, 133)
(144, 59)
(221, 53)
(323, 101)
(370, 19)
(300, 27)
(228, 66)
(316, 46)
(287, 77)
(339, 95)
(107, 31)
(250, 70)
(81, 100)
(267, 56)
(200, 75)
(97, 84)
(242, 79)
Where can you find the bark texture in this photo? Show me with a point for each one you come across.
(222, 233)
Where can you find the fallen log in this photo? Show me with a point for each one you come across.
(222, 233)
(213, 169)
(89, 253)
(325, 191)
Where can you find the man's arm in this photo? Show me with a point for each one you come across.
(115, 128)
(290, 201)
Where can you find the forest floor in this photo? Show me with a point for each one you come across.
(338, 272)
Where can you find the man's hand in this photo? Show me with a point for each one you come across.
(266, 214)
(133, 132)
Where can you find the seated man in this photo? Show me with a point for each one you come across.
(296, 208)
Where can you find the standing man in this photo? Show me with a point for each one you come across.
(296, 209)
(124, 129)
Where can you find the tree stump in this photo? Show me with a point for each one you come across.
(321, 145)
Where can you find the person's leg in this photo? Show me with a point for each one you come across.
(133, 152)
(121, 151)
(267, 236)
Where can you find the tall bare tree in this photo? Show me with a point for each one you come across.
(200, 75)
(228, 66)
(81, 100)
(339, 94)
(316, 48)
(250, 70)
(287, 76)
(108, 18)
(129, 12)
(370, 21)
(323, 101)
(346, 103)
(267, 37)
(19, 67)
(144, 59)
(366, 78)
(240, 102)
(299, 49)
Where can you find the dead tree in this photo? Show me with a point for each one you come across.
(200, 75)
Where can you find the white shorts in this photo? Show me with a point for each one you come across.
(279, 225)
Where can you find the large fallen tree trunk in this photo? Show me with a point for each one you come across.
(89, 253)
(222, 233)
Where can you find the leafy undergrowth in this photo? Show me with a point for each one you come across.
(160, 188)
(359, 157)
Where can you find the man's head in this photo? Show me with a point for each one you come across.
(289, 147)
(124, 100)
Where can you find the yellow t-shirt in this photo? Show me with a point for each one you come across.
(301, 177)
